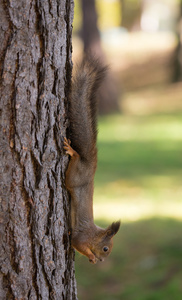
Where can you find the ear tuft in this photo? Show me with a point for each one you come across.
(113, 229)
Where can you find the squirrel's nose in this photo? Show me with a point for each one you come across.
(101, 259)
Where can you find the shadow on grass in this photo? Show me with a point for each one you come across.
(145, 264)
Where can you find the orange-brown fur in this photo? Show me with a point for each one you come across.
(87, 238)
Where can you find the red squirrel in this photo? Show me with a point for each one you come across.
(87, 238)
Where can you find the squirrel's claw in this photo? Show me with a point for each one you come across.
(93, 261)
(67, 141)
(68, 148)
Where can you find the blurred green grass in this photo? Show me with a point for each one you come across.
(136, 147)
(139, 160)
(138, 179)
(145, 264)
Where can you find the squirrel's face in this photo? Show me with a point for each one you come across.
(102, 245)
(102, 248)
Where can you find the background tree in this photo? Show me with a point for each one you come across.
(108, 100)
(178, 53)
(35, 65)
(90, 32)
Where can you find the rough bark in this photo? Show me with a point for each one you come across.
(35, 65)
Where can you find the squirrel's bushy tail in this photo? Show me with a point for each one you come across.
(83, 106)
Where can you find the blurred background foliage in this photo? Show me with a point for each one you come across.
(139, 174)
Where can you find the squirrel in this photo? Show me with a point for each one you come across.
(87, 238)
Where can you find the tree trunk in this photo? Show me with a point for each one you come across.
(90, 32)
(178, 52)
(36, 256)
(108, 100)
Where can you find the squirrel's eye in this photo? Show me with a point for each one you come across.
(105, 249)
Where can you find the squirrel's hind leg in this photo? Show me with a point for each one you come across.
(68, 148)
(73, 175)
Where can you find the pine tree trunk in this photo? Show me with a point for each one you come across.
(177, 76)
(36, 257)
(90, 32)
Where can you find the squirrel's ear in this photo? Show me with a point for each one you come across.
(113, 229)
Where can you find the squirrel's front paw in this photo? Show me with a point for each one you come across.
(93, 259)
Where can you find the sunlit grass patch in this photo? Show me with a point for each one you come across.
(136, 209)
(151, 127)
(139, 167)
